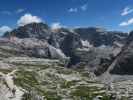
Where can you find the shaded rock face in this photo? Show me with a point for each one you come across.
(69, 45)
(68, 42)
(34, 30)
(57, 37)
(98, 36)
(96, 59)
(124, 61)
(63, 36)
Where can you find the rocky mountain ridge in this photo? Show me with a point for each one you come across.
(70, 41)
(65, 64)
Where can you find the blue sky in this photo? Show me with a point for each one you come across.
(110, 14)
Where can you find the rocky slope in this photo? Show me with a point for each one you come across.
(39, 57)
(123, 64)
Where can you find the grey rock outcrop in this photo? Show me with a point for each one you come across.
(33, 30)
(99, 36)
(124, 61)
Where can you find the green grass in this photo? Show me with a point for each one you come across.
(46, 85)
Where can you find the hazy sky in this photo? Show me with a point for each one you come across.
(110, 14)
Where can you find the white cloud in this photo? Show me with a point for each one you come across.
(126, 23)
(126, 11)
(4, 29)
(84, 7)
(6, 12)
(56, 25)
(20, 10)
(27, 19)
(73, 10)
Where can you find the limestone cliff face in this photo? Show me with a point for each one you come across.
(99, 36)
(33, 30)
(124, 61)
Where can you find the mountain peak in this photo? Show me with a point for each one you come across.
(32, 30)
